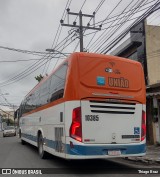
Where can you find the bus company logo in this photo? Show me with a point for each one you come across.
(92, 117)
(6, 172)
(118, 82)
(109, 70)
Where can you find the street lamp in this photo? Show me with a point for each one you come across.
(53, 50)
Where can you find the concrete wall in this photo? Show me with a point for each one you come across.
(153, 53)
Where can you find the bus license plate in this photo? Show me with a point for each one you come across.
(114, 153)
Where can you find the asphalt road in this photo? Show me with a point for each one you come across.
(15, 155)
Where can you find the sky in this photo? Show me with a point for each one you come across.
(32, 25)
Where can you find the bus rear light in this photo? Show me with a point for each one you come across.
(76, 126)
(143, 126)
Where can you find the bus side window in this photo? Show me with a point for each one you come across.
(44, 92)
(24, 106)
(28, 103)
(36, 101)
(57, 95)
(21, 109)
(58, 83)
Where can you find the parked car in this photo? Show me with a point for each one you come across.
(9, 130)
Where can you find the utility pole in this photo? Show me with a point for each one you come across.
(80, 26)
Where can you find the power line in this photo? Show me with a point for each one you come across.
(79, 10)
(80, 26)
(99, 6)
(113, 25)
(10, 105)
(58, 33)
(67, 5)
(31, 67)
(50, 59)
(29, 70)
(150, 10)
(104, 20)
(118, 19)
(33, 59)
(64, 40)
(25, 73)
(32, 52)
(76, 46)
(112, 32)
(62, 50)
(24, 51)
(120, 14)
(116, 40)
(154, 18)
(153, 15)
(76, 19)
(65, 43)
(96, 10)
(132, 9)
(128, 15)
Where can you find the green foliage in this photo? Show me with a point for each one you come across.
(4, 116)
(8, 121)
(39, 78)
(11, 122)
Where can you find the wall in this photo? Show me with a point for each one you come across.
(153, 53)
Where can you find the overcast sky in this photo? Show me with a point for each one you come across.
(32, 25)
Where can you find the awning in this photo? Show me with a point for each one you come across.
(152, 94)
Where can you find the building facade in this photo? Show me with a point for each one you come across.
(143, 45)
(7, 116)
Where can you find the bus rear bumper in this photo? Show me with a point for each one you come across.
(104, 151)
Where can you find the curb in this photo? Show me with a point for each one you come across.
(144, 160)
(1, 134)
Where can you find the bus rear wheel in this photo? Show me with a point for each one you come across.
(20, 136)
(41, 151)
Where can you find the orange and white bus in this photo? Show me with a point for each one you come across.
(91, 106)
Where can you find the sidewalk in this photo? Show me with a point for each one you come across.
(152, 156)
(1, 134)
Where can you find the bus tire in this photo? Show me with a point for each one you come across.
(42, 153)
(22, 141)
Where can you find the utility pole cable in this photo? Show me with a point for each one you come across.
(80, 26)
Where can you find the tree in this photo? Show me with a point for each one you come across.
(39, 78)
(4, 116)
